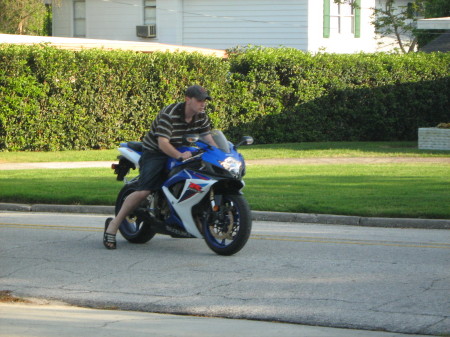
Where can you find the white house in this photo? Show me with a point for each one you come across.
(310, 25)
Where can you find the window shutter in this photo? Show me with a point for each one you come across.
(326, 18)
(358, 18)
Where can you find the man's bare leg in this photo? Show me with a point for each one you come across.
(130, 203)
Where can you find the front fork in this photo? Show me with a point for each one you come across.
(209, 214)
(215, 200)
(220, 220)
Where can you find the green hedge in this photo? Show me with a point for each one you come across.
(329, 97)
(52, 99)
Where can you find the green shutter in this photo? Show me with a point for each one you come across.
(358, 18)
(326, 18)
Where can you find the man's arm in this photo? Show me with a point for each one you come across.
(171, 151)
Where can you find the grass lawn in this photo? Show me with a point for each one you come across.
(388, 190)
(398, 190)
(290, 150)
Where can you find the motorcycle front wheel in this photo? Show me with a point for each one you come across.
(227, 230)
(135, 227)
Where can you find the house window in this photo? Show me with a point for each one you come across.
(149, 12)
(79, 18)
(341, 18)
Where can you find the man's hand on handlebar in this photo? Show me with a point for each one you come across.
(185, 155)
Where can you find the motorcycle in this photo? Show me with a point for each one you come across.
(201, 197)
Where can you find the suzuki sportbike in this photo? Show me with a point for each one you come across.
(201, 197)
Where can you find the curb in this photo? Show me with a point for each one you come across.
(327, 219)
(330, 219)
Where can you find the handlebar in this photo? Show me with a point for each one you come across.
(196, 154)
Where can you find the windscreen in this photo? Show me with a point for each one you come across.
(221, 141)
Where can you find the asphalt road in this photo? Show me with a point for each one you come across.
(386, 279)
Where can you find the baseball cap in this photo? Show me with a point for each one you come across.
(198, 92)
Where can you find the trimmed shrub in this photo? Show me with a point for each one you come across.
(52, 99)
(329, 97)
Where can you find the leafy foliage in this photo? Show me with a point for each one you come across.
(52, 99)
(23, 17)
(326, 97)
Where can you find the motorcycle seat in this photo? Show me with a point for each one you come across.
(136, 146)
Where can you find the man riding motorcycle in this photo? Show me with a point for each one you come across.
(160, 143)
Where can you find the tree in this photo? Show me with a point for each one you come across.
(22, 17)
(399, 21)
(392, 19)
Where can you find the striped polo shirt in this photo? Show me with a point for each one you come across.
(170, 123)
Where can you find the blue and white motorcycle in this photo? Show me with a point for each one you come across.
(200, 198)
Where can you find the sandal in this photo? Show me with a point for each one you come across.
(109, 240)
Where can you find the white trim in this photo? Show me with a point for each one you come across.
(434, 23)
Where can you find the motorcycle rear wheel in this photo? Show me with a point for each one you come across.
(135, 227)
(228, 233)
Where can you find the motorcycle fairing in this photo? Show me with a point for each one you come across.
(194, 189)
(130, 154)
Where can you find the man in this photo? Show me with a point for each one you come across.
(161, 142)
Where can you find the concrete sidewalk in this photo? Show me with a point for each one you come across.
(55, 320)
(328, 219)
(267, 162)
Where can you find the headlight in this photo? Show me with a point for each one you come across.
(232, 165)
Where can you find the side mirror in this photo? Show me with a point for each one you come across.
(246, 140)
